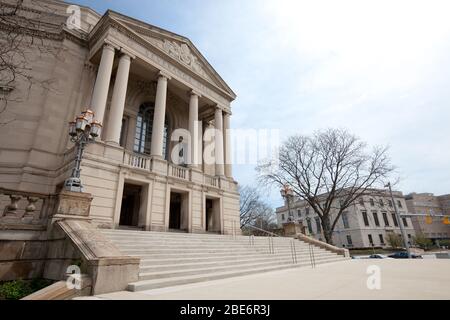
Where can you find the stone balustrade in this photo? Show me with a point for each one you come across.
(24, 207)
(142, 162)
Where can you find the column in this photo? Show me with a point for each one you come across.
(227, 145)
(159, 116)
(193, 130)
(118, 101)
(200, 145)
(218, 140)
(101, 87)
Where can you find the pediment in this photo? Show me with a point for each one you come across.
(178, 48)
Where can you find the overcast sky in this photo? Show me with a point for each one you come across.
(378, 68)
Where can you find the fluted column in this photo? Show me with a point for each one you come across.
(193, 130)
(118, 101)
(101, 87)
(159, 116)
(227, 145)
(218, 140)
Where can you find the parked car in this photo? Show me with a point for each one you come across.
(404, 255)
(378, 256)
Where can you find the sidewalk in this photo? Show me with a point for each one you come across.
(400, 279)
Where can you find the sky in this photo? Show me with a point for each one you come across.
(380, 69)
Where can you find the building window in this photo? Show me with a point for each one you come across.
(370, 239)
(394, 218)
(341, 203)
(381, 239)
(405, 222)
(345, 220)
(399, 204)
(361, 201)
(144, 129)
(365, 218)
(306, 211)
(299, 213)
(375, 218)
(390, 203)
(282, 217)
(308, 221)
(381, 202)
(385, 218)
(318, 225)
(372, 203)
(349, 241)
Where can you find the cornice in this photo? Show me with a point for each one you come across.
(101, 32)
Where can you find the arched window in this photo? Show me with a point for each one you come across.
(144, 129)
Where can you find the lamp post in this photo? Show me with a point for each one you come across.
(400, 222)
(287, 194)
(82, 131)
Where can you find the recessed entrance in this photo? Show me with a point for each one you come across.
(131, 199)
(212, 213)
(179, 211)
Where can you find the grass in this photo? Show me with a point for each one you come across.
(18, 289)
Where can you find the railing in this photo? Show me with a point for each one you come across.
(136, 160)
(212, 181)
(178, 172)
(20, 207)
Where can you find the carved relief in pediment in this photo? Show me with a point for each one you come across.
(180, 52)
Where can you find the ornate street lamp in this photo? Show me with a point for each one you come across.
(287, 194)
(82, 131)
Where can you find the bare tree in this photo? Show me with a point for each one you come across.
(253, 210)
(25, 31)
(329, 170)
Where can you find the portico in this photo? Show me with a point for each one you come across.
(162, 107)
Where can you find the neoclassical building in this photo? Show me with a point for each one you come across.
(150, 89)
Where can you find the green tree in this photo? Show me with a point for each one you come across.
(423, 242)
(394, 240)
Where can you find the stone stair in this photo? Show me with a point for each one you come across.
(169, 259)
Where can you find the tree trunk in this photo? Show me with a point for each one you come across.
(327, 232)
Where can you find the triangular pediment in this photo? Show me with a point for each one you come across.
(177, 47)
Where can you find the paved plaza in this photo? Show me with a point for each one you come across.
(399, 279)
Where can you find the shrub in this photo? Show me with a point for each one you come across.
(394, 240)
(423, 242)
(15, 290)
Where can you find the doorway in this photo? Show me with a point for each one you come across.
(212, 215)
(131, 199)
(179, 211)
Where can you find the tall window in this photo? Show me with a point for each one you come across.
(405, 222)
(365, 218)
(144, 129)
(370, 240)
(306, 211)
(385, 218)
(381, 238)
(361, 201)
(318, 225)
(394, 218)
(308, 221)
(345, 220)
(399, 204)
(372, 203)
(349, 241)
(375, 218)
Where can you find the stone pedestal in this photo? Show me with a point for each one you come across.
(293, 228)
(73, 205)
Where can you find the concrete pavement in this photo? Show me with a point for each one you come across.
(398, 279)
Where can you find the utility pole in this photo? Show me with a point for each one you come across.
(400, 222)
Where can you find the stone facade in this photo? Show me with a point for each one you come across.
(368, 221)
(429, 204)
(122, 68)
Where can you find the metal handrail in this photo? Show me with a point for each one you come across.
(265, 231)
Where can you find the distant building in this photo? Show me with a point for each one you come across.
(365, 224)
(429, 204)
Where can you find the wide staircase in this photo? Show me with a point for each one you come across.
(170, 259)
